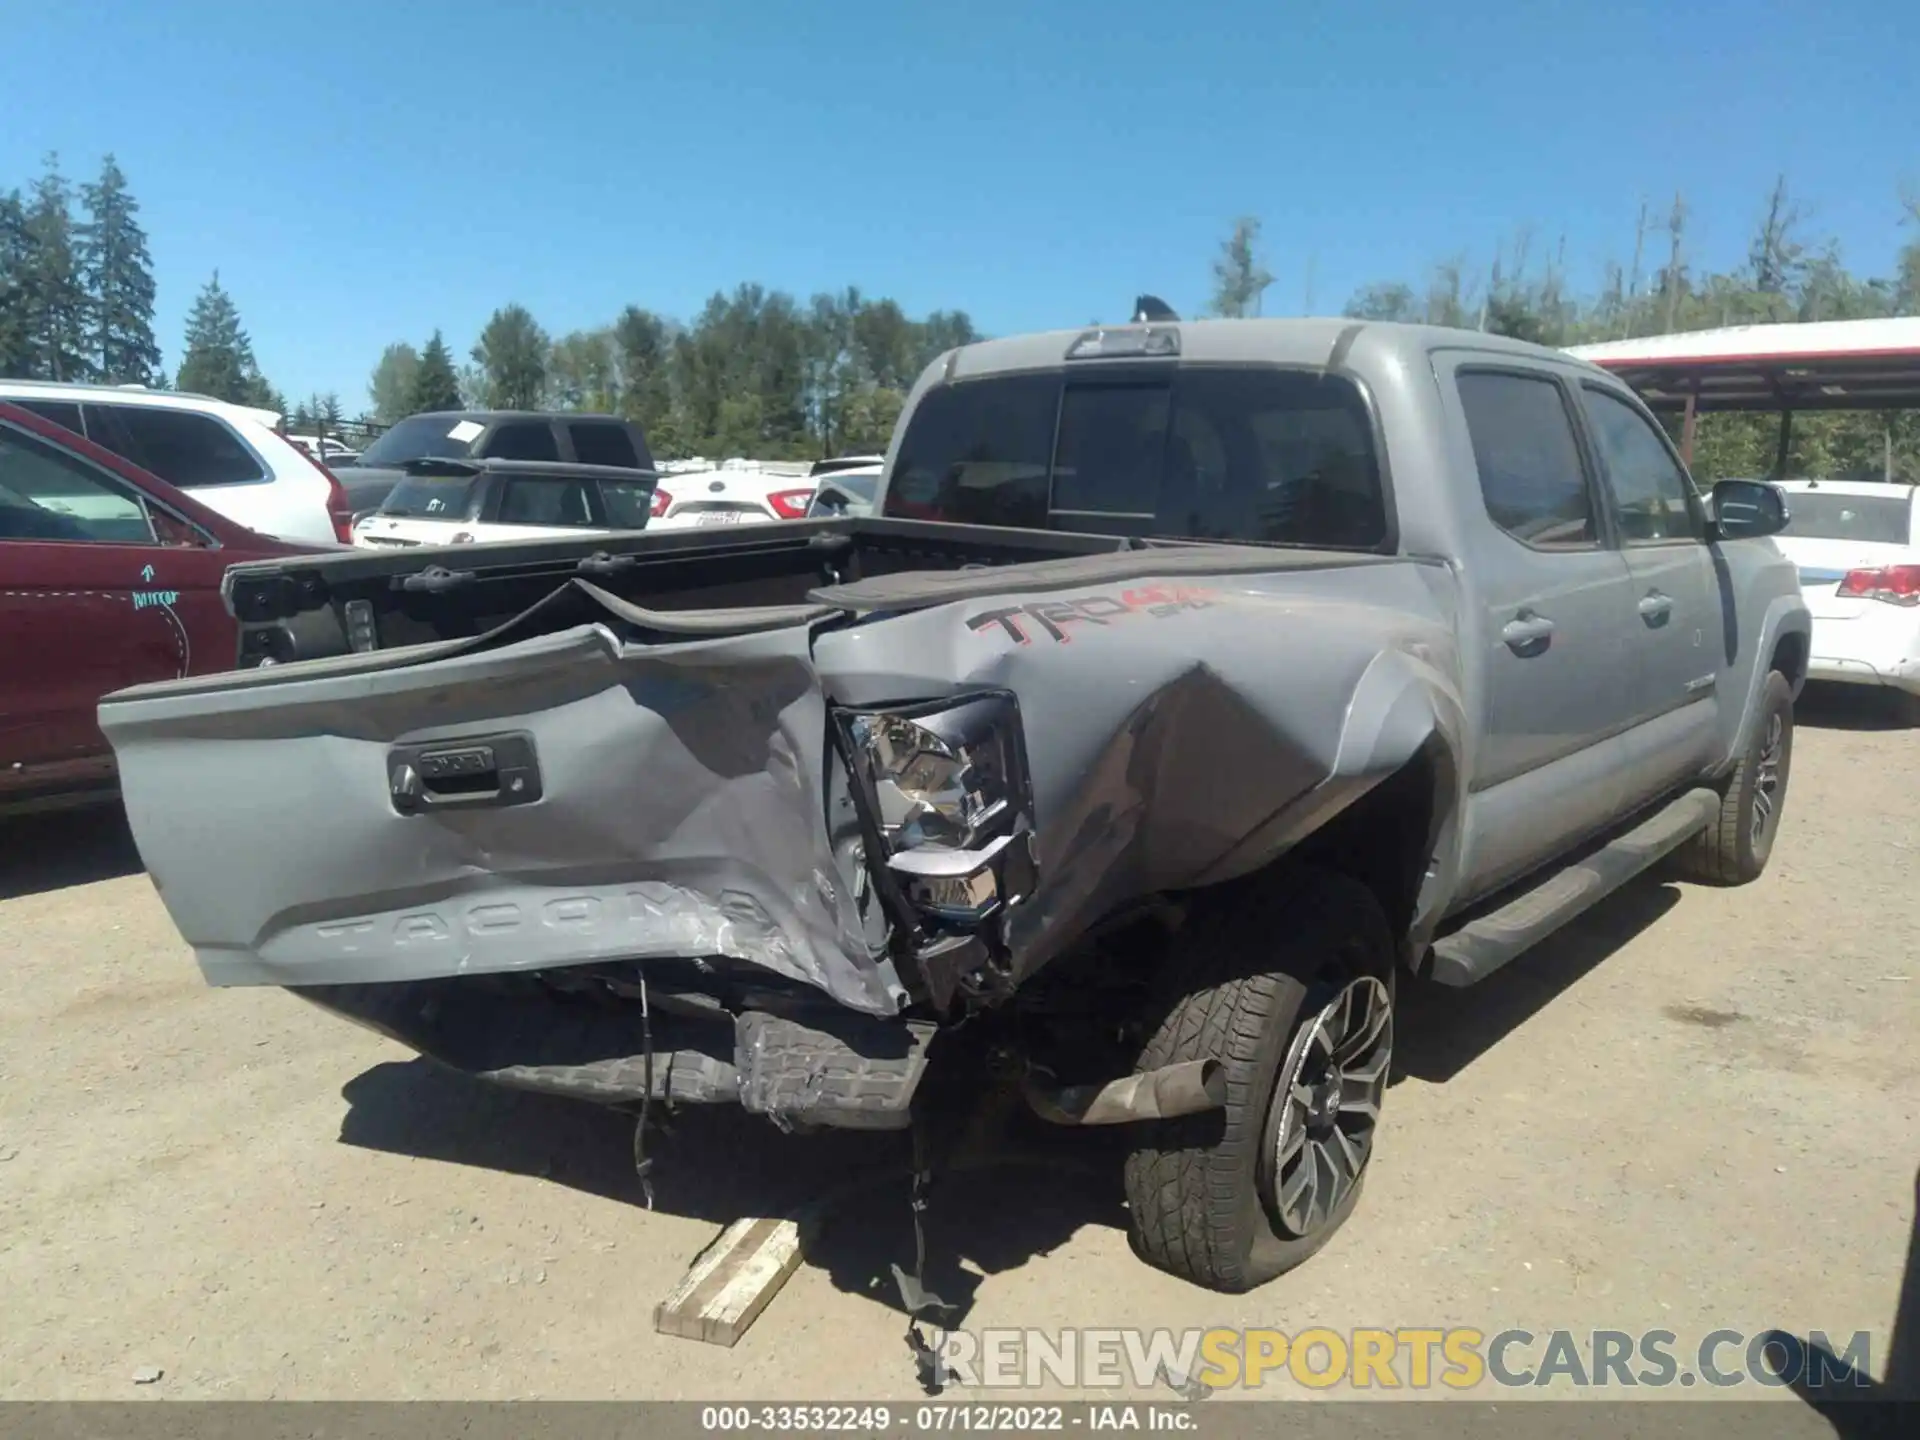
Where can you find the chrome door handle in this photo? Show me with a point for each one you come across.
(1527, 634)
(1655, 608)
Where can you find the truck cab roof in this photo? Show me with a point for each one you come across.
(1307, 341)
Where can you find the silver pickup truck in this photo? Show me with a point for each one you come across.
(1193, 685)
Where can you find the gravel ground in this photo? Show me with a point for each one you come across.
(1695, 1109)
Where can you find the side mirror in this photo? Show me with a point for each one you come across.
(1748, 510)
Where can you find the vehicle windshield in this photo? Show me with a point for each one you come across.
(1829, 515)
(1250, 455)
(443, 437)
(430, 497)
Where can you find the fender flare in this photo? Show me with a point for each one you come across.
(1785, 615)
(1403, 710)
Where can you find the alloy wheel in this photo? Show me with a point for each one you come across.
(1329, 1094)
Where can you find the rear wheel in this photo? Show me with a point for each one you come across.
(1288, 983)
(1734, 849)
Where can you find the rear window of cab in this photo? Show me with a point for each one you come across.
(1244, 454)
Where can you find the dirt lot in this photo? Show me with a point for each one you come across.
(1698, 1109)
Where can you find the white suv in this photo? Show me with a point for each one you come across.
(229, 457)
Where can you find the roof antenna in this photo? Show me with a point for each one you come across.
(1152, 310)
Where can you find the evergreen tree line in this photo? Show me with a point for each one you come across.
(76, 281)
(755, 373)
(1788, 274)
(77, 292)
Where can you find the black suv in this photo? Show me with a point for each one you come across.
(491, 435)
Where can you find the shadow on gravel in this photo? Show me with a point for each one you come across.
(1848, 707)
(1440, 1031)
(718, 1164)
(1010, 1189)
(1836, 1390)
(70, 847)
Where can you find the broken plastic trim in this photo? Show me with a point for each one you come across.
(967, 887)
(1190, 1088)
(941, 886)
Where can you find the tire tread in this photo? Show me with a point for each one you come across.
(1184, 1186)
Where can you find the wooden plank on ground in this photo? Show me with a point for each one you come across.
(725, 1290)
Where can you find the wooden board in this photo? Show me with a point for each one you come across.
(725, 1290)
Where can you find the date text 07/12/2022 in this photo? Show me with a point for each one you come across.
(939, 1418)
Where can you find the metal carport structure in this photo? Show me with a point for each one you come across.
(1820, 365)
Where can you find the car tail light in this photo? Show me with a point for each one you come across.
(1893, 584)
(339, 509)
(791, 504)
(662, 502)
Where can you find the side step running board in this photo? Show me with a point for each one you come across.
(1482, 946)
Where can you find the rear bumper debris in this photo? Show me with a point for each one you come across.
(830, 1067)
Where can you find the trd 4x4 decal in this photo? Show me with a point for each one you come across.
(1054, 616)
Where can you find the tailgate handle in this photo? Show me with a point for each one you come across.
(468, 773)
(432, 580)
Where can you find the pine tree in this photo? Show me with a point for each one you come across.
(16, 348)
(219, 357)
(56, 306)
(117, 272)
(512, 350)
(435, 386)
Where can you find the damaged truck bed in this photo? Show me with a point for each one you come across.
(1193, 682)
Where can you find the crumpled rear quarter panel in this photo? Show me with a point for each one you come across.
(1178, 731)
(1174, 728)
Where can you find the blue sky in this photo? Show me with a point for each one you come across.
(364, 172)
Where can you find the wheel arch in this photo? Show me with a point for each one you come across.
(1397, 827)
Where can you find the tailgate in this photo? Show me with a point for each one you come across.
(642, 785)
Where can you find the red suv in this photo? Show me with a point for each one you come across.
(108, 577)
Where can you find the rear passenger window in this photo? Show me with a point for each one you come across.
(1649, 488)
(59, 412)
(528, 501)
(523, 440)
(626, 503)
(1531, 477)
(183, 448)
(600, 442)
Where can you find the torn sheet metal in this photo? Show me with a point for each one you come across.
(1180, 730)
(680, 813)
